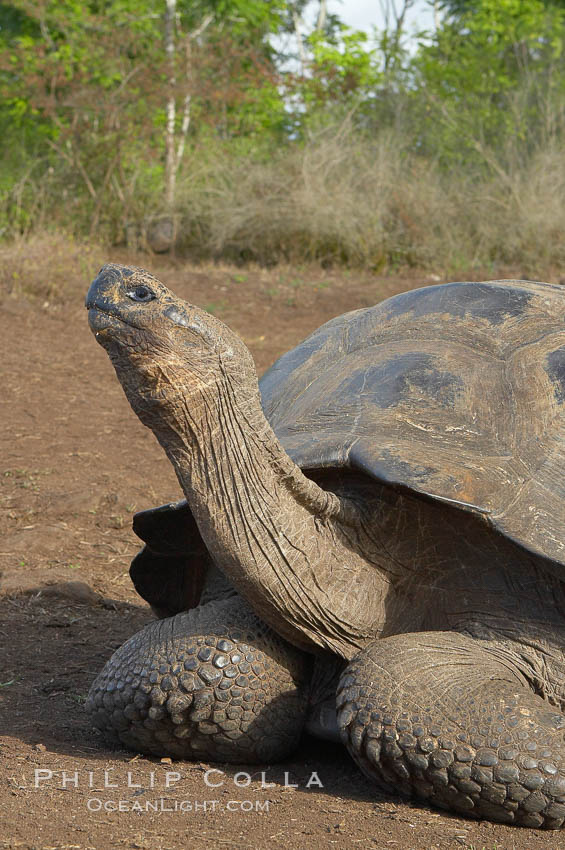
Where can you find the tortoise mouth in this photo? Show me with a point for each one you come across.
(101, 318)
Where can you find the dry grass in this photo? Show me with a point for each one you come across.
(340, 199)
(372, 203)
(519, 215)
(48, 266)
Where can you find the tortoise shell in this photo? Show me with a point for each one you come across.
(456, 392)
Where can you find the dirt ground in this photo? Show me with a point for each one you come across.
(76, 464)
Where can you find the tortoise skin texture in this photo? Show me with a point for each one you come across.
(378, 527)
(482, 750)
(215, 683)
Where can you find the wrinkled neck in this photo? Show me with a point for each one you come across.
(300, 555)
(272, 531)
(219, 436)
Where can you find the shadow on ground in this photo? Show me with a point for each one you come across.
(54, 649)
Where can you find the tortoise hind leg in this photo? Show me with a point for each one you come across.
(438, 716)
(211, 683)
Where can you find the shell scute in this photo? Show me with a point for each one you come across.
(456, 392)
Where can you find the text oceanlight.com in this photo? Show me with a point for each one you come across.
(162, 805)
(96, 782)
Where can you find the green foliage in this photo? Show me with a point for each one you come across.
(490, 73)
(344, 68)
(461, 7)
(85, 114)
(84, 89)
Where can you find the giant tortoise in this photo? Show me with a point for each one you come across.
(381, 517)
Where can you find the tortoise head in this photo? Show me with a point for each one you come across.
(162, 348)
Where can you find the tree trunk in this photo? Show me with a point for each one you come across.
(322, 14)
(170, 160)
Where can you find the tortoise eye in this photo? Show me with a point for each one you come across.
(141, 293)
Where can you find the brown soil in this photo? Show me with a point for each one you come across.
(76, 465)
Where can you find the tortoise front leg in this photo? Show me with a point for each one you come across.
(211, 683)
(439, 716)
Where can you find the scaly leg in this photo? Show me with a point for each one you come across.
(211, 683)
(440, 716)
